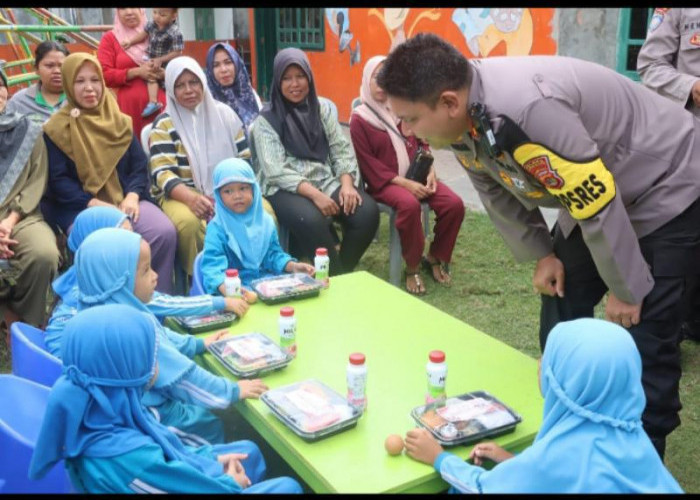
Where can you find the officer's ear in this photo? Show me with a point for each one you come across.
(451, 100)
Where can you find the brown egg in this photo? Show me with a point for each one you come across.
(393, 444)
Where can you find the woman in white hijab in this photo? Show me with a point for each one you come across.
(186, 143)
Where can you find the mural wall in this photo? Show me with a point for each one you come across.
(354, 35)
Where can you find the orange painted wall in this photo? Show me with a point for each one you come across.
(340, 81)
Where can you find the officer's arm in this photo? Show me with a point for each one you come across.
(563, 154)
(524, 231)
(655, 63)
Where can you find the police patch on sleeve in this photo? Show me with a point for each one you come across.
(657, 18)
(583, 188)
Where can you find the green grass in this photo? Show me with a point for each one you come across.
(494, 294)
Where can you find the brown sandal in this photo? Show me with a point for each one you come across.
(419, 283)
(444, 268)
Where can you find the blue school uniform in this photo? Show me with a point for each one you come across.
(247, 242)
(106, 263)
(96, 422)
(591, 439)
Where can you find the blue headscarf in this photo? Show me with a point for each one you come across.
(239, 95)
(248, 234)
(591, 439)
(106, 265)
(89, 220)
(95, 409)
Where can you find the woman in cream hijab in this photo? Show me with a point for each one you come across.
(187, 142)
(95, 159)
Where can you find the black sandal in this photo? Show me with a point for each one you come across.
(419, 283)
(444, 269)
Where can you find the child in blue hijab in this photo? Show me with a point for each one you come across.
(113, 267)
(96, 421)
(162, 305)
(242, 235)
(591, 439)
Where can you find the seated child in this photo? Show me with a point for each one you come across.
(66, 287)
(591, 439)
(113, 267)
(165, 42)
(111, 443)
(242, 235)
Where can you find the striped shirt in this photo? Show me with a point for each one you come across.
(276, 169)
(169, 163)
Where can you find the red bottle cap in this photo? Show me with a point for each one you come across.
(437, 356)
(231, 273)
(287, 311)
(321, 251)
(357, 358)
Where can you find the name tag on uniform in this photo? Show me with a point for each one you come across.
(583, 188)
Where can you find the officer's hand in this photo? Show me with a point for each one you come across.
(621, 312)
(549, 276)
(417, 189)
(696, 93)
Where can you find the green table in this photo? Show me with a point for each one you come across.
(395, 330)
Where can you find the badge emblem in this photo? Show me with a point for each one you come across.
(657, 19)
(695, 39)
(506, 179)
(542, 170)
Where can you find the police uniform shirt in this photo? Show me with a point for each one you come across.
(597, 146)
(669, 60)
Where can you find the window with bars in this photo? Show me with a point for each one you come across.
(631, 35)
(302, 28)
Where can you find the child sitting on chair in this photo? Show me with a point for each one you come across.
(242, 235)
(165, 42)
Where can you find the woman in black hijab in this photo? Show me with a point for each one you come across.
(307, 167)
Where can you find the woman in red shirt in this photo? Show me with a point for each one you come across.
(125, 70)
(383, 154)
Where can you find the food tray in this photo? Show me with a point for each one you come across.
(285, 287)
(466, 418)
(198, 324)
(311, 409)
(249, 355)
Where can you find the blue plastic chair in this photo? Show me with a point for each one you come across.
(197, 287)
(21, 414)
(30, 359)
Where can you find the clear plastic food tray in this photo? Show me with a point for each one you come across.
(466, 418)
(249, 355)
(285, 287)
(311, 409)
(198, 324)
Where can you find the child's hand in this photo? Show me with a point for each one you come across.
(157, 62)
(251, 388)
(237, 305)
(249, 296)
(215, 337)
(422, 446)
(126, 44)
(490, 451)
(302, 267)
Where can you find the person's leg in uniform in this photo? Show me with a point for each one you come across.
(359, 229)
(191, 423)
(583, 287)
(690, 329)
(449, 214)
(190, 232)
(36, 255)
(308, 225)
(672, 253)
(159, 232)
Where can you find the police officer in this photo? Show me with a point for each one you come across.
(669, 60)
(549, 131)
(669, 63)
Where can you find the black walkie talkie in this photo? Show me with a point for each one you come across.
(477, 113)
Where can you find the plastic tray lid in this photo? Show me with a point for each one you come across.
(311, 409)
(206, 322)
(286, 286)
(466, 418)
(249, 354)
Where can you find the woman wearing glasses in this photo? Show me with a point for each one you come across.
(186, 143)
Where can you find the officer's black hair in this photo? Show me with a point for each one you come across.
(45, 47)
(422, 68)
